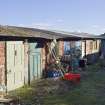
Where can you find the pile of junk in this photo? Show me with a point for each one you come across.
(67, 66)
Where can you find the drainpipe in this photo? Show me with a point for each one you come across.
(5, 65)
(85, 48)
(81, 47)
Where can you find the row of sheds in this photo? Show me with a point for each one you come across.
(24, 52)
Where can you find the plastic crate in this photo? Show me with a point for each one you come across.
(72, 77)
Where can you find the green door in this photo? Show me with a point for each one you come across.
(35, 61)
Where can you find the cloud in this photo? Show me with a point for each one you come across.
(21, 25)
(103, 29)
(59, 20)
(44, 25)
(38, 25)
(98, 29)
(41, 25)
(79, 31)
(95, 26)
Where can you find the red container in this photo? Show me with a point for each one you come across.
(72, 77)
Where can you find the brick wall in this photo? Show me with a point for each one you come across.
(61, 47)
(2, 62)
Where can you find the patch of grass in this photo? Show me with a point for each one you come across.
(87, 93)
(25, 95)
(90, 91)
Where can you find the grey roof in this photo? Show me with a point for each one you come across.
(102, 36)
(79, 35)
(41, 33)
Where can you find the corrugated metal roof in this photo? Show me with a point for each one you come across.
(41, 33)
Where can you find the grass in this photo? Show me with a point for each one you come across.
(90, 91)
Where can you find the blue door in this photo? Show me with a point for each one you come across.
(35, 61)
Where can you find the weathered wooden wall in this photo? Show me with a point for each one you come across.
(43, 57)
(91, 46)
(2, 62)
(26, 49)
(92, 50)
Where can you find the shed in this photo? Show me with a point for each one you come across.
(23, 53)
(89, 44)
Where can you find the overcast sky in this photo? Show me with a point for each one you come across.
(67, 15)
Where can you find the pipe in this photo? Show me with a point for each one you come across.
(6, 65)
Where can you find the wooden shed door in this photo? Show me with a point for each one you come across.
(35, 62)
(15, 65)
